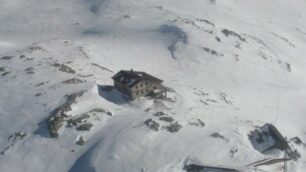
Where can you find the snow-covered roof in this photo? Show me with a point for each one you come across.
(130, 78)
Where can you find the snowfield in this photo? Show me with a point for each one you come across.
(233, 65)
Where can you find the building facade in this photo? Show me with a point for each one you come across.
(136, 84)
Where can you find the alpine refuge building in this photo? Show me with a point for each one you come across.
(136, 84)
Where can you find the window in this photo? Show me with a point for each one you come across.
(146, 83)
(136, 86)
(141, 92)
(154, 87)
(137, 93)
(141, 85)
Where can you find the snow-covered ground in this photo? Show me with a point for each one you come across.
(234, 65)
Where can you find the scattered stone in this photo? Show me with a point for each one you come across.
(174, 127)
(233, 151)
(206, 21)
(218, 135)
(58, 116)
(166, 119)
(237, 45)
(98, 110)
(38, 94)
(85, 127)
(34, 48)
(80, 141)
(22, 56)
(42, 83)
(158, 114)
(29, 59)
(211, 100)
(55, 124)
(5, 73)
(17, 136)
(65, 68)
(288, 67)
(227, 33)
(109, 113)
(3, 152)
(224, 97)
(29, 70)
(85, 76)
(152, 124)
(204, 102)
(212, 52)
(78, 119)
(213, 2)
(218, 39)
(6, 57)
(198, 123)
(73, 81)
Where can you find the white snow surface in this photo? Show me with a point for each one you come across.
(253, 76)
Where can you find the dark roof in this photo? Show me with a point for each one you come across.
(277, 136)
(130, 77)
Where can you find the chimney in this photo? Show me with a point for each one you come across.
(131, 70)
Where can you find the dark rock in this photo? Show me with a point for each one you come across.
(54, 125)
(166, 118)
(42, 83)
(5, 73)
(6, 57)
(38, 94)
(58, 115)
(85, 127)
(29, 70)
(67, 69)
(158, 114)
(212, 52)
(218, 135)
(152, 124)
(81, 141)
(174, 127)
(22, 56)
(227, 33)
(233, 151)
(218, 39)
(2, 69)
(98, 110)
(109, 113)
(73, 81)
(78, 119)
(17, 136)
(34, 48)
(198, 123)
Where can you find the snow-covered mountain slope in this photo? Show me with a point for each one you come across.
(234, 65)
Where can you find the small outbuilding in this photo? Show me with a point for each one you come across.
(267, 138)
(136, 84)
